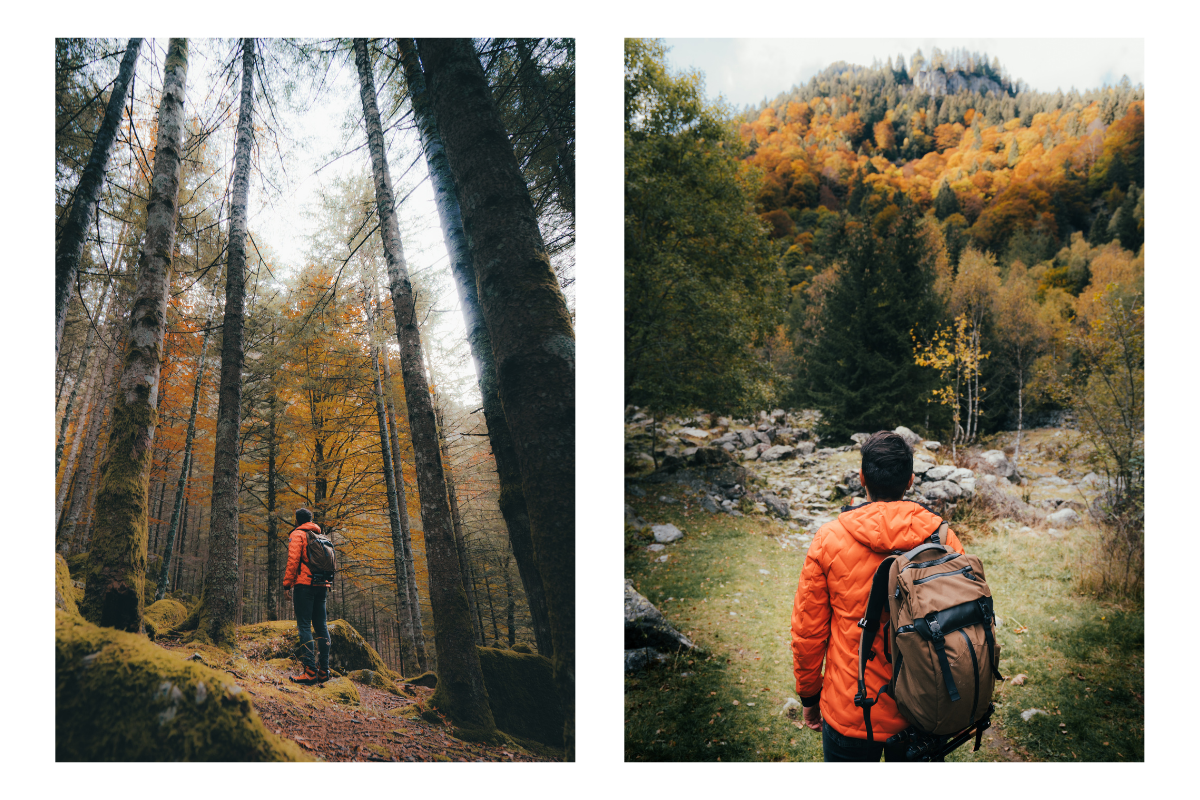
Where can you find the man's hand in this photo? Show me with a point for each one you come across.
(287, 594)
(812, 717)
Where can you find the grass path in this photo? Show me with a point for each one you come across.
(729, 586)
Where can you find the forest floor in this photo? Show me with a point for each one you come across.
(330, 725)
(1073, 663)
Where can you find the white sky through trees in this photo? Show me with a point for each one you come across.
(745, 71)
(294, 163)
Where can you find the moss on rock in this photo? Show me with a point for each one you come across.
(521, 647)
(411, 711)
(522, 695)
(339, 690)
(64, 588)
(378, 680)
(426, 679)
(119, 697)
(349, 651)
(164, 615)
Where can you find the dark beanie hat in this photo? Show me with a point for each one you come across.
(303, 515)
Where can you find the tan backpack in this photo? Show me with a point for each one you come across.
(941, 642)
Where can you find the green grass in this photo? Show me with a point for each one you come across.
(723, 704)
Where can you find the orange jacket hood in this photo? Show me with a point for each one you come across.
(885, 527)
(832, 597)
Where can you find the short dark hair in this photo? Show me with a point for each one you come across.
(303, 515)
(887, 464)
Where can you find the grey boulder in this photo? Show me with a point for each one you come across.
(665, 534)
(645, 626)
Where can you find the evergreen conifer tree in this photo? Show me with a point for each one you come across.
(860, 371)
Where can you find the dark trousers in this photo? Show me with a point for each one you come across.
(310, 612)
(843, 748)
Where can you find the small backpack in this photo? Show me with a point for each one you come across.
(941, 642)
(319, 555)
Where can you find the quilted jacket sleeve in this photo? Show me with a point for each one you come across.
(295, 545)
(953, 543)
(811, 616)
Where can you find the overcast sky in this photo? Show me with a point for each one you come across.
(747, 70)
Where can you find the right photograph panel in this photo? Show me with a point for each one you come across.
(884, 386)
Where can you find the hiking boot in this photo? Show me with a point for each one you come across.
(309, 677)
(322, 675)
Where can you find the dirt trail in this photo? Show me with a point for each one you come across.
(377, 730)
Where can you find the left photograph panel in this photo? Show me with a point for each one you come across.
(314, 399)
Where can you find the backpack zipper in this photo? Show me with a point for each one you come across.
(965, 571)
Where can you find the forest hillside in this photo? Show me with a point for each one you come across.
(925, 246)
(255, 320)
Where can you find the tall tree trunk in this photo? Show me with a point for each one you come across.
(460, 692)
(80, 375)
(532, 338)
(219, 606)
(274, 579)
(116, 572)
(487, 587)
(69, 529)
(87, 194)
(185, 468)
(512, 496)
(389, 476)
(414, 595)
(460, 542)
(90, 415)
(512, 605)
(183, 541)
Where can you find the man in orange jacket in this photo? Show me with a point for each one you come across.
(832, 598)
(310, 601)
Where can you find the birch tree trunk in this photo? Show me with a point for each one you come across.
(532, 338)
(460, 694)
(508, 473)
(185, 468)
(70, 243)
(80, 373)
(219, 606)
(414, 595)
(116, 571)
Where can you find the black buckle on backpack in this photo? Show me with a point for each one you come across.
(862, 623)
(862, 700)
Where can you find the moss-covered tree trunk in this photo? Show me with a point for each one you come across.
(116, 571)
(389, 475)
(508, 472)
(70, 244)
(460, 694)
(414, 595)
(221, 580)
(532, 338)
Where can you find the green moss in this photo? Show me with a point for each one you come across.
(163, 616)
(119, 697)
(426, 679)
(521, 693)
(64, 588)
(411, 711)
(77, 564)
(339, 690)
(521, 647)
(371, 678)
(349, 651)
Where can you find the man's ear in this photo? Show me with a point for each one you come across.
(911, 478)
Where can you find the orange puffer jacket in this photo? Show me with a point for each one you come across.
(832, 598)
(297, 572)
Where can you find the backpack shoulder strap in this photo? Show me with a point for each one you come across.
(869, 626)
